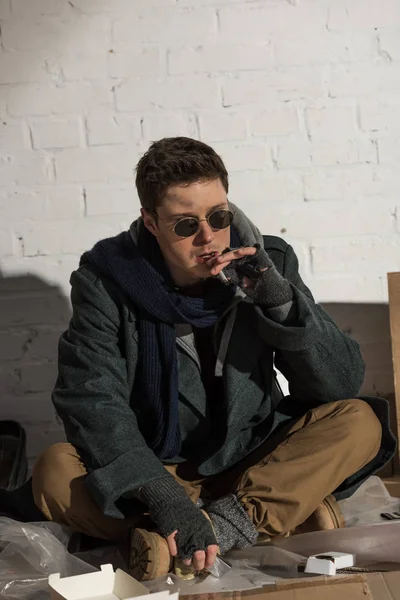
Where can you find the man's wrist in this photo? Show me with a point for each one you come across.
(162, 491)
(271, 290)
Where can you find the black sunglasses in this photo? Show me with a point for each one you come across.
(188, 226)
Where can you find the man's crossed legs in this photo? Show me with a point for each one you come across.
(270, 493)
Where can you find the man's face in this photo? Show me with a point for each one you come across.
(182, 254)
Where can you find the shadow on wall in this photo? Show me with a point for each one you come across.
(369, 325)
(33, 314)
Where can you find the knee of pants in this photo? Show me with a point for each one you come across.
(363, 425)
(52, 472)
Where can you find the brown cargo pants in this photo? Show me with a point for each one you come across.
(279, 489)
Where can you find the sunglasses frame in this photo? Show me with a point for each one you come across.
(228, 210)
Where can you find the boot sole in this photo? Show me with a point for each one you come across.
(149, 555)
(334, 512)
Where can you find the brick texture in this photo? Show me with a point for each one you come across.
(300, 98)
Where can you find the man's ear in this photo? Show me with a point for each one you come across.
(149, 221)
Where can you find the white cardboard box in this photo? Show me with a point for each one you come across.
(328, 562)
(102, 585)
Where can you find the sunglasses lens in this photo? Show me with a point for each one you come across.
(186, 227)
(220, 219)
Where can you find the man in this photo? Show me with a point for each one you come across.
(167, 389)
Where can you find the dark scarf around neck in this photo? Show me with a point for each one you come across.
(139, 269)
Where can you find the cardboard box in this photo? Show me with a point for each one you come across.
(392, 481)
(375, 586)
(329, 562)
(384, 586)
(346, 587)
(353, 587)
(394, 313)
(393, 486)
(101, 585)
(372, 586)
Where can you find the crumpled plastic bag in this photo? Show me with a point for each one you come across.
(251, 568)
(366, 505)
(29, 553)
(371, 544)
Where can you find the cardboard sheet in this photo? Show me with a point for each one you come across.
(384, 586)
(394, 310)
(372, 586)
(353, 587)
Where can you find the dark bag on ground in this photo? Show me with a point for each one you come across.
(13, 460)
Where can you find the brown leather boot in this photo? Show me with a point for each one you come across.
(326, 516)
(149, 555)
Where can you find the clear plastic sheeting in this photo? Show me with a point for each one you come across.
(373, 541)
(376, 547)
(371, 544)
(251, 568)
(367, 504)
(29, 553)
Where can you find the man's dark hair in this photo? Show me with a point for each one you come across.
(175, 161)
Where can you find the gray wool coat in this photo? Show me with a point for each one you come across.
(95, 390)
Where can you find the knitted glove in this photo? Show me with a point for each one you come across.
(270, 288)
(171, 509)
(232, 525)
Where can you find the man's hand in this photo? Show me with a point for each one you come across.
(219, 263)
(187, 530)
(251, 269)
(200, 560)
(223, 260)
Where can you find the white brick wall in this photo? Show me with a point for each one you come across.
(300, 97)
(58, 132)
